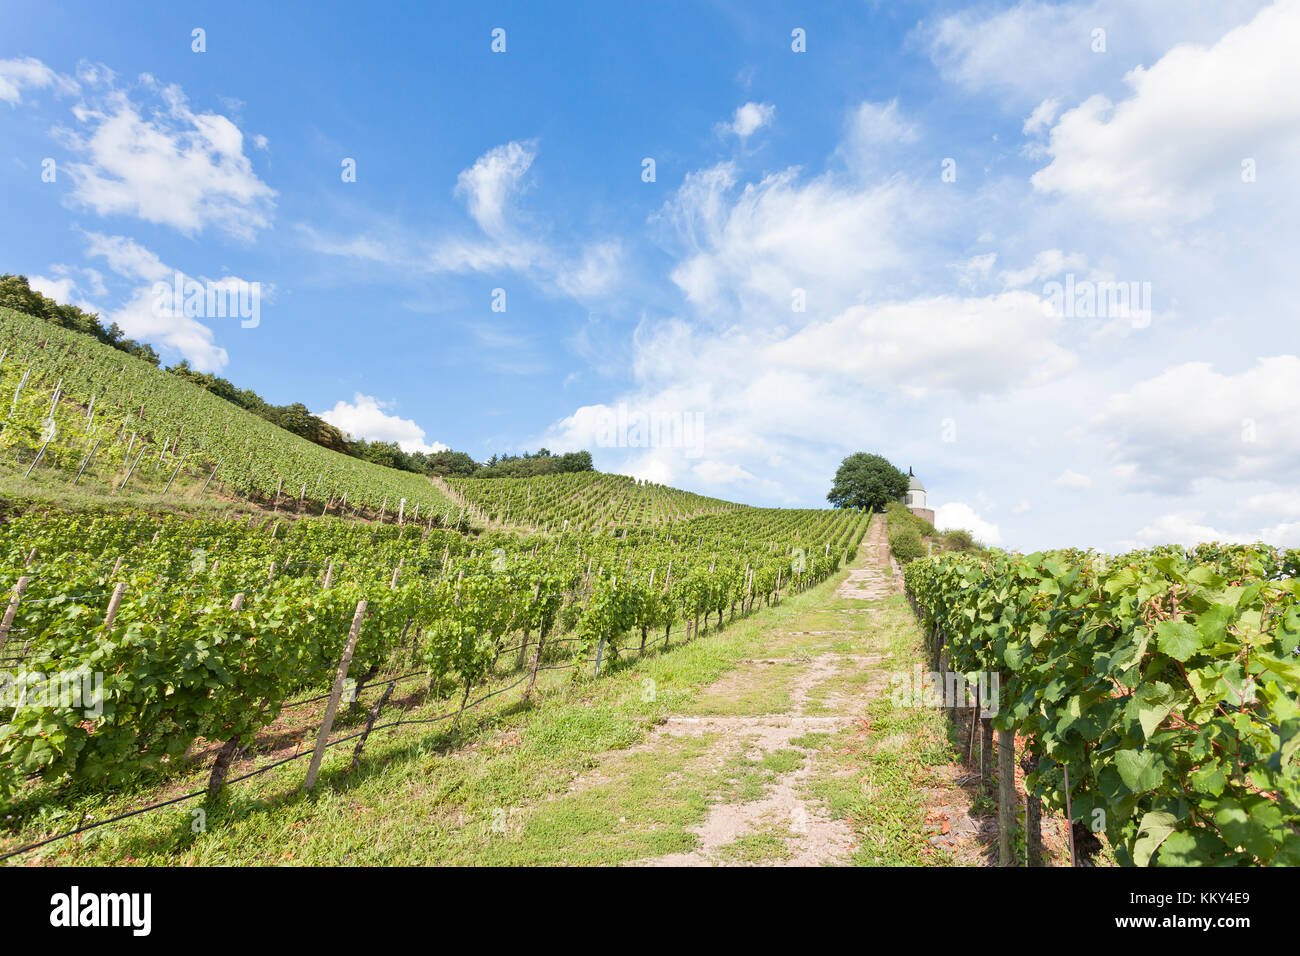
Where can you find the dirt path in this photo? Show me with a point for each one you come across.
(815, 687)
(879, 575)
(786, 812)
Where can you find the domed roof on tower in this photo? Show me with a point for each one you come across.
(914, 483)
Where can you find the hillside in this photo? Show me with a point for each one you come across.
(79, 404)
(86, 414)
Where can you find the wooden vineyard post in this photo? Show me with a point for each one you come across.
(131, 470)
(327, 722)
(523, 648)
(1033, 818)
(114, 603)
(542, 628)
(12, 609)
(275, 505)
(1069, 814)
(173, 477)
(38, 457)
(82, 469)
(974, 725)
(226, 755)
(370, 723)
(1006, 796)
(986, 751)
(210, 477)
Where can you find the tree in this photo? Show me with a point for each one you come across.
(451, 463)
(385, 453)
(867, 481)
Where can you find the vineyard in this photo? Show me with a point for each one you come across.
(1158, 692)
(77, 411)
(205, 629)
(1155, 692)
(581, 502)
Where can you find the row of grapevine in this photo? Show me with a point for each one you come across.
(1163, 685)
(205, 628)
(581, 501)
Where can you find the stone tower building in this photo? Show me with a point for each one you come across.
(915, 499)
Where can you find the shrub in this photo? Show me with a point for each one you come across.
(905, 543)
(899, 516)
(959, 539)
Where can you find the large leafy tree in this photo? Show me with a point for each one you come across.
(867, 481)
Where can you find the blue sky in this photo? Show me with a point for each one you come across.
(849, 247)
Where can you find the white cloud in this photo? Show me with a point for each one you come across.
(956, 514)
(747, 253)
(127, 257)
(971, 346)
(1176, 144)
(505, 239)
(875, 139)
(140, 319)
(61, 289)
(873, 126)
(1186, 529)
(1274, 504)
(720, 473)
(1284, 535)
(981, 51)
(1190, 529)
(492, 180)
(71, 285)
(1191, 423)
(364, 417)
(153, 319)
(1046, 264)
(1073, 480)
(31, 74)
(594, 273)
(164, 163)
(1042, 116)
(973, 272)
(750, 118)
(651, 466)
(1037, 48)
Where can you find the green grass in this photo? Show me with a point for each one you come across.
(746, 695)
(44, 491)
(764, 845)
